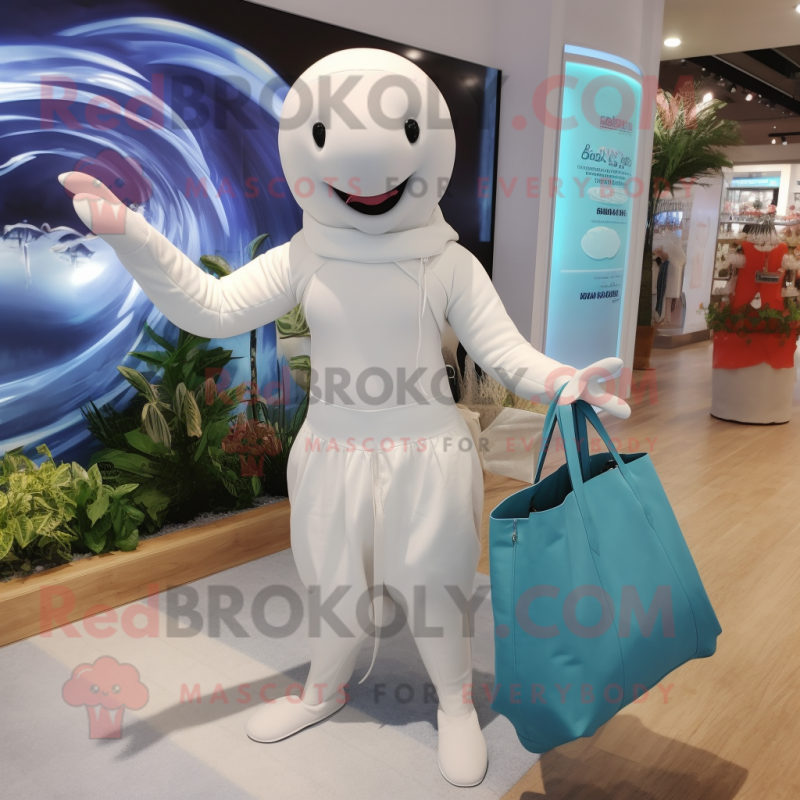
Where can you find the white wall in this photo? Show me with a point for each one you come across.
(522, 31)
(701, 247)
(525, 39)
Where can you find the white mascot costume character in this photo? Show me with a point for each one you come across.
(386, 491)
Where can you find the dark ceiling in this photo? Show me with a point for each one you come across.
(771, 76)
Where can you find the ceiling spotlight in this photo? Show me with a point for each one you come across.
(748, 96)
(774, 127)
(774, 141)
(797, 9)
(708, 97)
(672, 41)
(784, 140)
(683, 61)
(733, 90)
(702, 69)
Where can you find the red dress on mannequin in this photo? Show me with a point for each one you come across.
(735, 351)
(747, 283)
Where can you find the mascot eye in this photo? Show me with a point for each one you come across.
(116, 688)
(412, 130)
(94, 689)
(319, 133)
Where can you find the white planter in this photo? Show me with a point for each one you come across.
(759, 395)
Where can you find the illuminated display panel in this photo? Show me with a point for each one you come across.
(596, 189)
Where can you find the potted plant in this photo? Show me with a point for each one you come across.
(755, 328)
(687, 137)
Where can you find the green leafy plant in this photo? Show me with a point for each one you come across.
(49, 511)
(105, 517)
(290, 328)
(169, 441)
(293, 324)
(36, 508)
(263, 447)
(688, 137)
(746, 320)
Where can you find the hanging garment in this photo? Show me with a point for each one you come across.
(676, 256)
(661, 287)
(762, 273)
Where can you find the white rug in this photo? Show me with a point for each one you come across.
(188, 739)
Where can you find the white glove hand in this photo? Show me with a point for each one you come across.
(587, 384)
(104, 214)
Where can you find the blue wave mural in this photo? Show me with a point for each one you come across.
(178, 121)
(174, 104)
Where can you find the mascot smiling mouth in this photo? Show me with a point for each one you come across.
(375, 204)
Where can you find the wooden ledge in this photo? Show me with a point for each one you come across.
(70, 592)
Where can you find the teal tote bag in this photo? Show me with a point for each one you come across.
(595, 594)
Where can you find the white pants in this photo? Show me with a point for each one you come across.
(404, 512)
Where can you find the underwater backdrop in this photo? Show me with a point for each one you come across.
(175, 106)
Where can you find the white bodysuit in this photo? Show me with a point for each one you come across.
(385, 486)
(384, 481)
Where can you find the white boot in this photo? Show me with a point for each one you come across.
(287, 715)
(462, 749)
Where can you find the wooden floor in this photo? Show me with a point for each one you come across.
(731, 725)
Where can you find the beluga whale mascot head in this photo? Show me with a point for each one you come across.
(366, 142)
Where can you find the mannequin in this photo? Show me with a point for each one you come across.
(383, 488)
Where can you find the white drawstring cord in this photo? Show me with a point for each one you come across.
(377, 557)
(422, 287)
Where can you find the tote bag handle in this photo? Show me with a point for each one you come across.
(571, 420)
(547, 435)
(581, 412)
